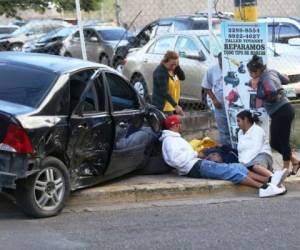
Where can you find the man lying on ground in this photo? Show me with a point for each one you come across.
(179, 154)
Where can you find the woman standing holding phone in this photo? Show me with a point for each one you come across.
(281, 112)
(166, 84)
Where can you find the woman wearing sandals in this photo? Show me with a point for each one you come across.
(270, 91)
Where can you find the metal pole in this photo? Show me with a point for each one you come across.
(118, 10)
(79, 23)
(210, 26)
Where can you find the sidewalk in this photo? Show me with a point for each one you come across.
(166, 187)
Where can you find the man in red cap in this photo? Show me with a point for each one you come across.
(179, 154)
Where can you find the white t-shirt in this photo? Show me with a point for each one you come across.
(252, 143)
(213, 80)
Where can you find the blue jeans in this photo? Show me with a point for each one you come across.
(234, 172)
(222, 124)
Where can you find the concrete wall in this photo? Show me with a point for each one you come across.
(153, 9)
(201, 124)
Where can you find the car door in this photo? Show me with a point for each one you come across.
(91, 129)
(131, 138)
(73, 49)
(154, 55)
(193, 68)
(92, 44)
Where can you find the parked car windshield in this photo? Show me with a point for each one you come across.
(60, 32)
(215, 44)
(24, 86)
(7, 29)
(113, 34)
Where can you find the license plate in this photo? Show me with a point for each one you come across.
(290, 93)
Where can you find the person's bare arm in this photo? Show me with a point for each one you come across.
(214, 99)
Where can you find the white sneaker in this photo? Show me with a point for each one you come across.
(271, 191)
(279, 176)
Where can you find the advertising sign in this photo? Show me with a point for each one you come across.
(242, 40)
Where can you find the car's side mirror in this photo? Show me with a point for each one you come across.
(196, 56)
(93, 39)
(30, 33)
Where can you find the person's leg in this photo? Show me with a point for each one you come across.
(222, 125)
(258, 177)
(280, 136)
(262, 171)
(248, 181)
(238, 174)
(234, 172)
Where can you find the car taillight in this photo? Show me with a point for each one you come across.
(16, 140)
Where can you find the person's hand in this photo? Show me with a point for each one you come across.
(178, 110)
(201, 155)
(217, 104)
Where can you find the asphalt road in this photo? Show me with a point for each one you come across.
(189, 224)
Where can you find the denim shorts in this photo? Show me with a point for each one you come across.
(234, 172)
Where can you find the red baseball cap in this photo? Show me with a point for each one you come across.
(171, 121)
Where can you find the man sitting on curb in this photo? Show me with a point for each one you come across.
(179, 154)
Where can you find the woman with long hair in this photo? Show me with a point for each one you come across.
(270, 91)
(166, 84)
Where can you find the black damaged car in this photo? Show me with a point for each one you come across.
(67, 124)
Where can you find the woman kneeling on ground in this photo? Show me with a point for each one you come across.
(254, 150)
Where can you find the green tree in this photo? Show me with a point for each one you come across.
(10, 8)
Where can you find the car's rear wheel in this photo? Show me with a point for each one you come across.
(119, 64)
(104, 60)
(67, 54)
(16, 47)
(44, 194)
(140, 85)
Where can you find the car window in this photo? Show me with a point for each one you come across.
(7, 30)
(181, 25)
(112, 34)
(186, 45)
(216, 44)
(163, 29)
(122, 96)
(25, 86)
(164, 44)
(288, 30)
(89, 103)
(148, 33)
(89, 34)
(273, 32)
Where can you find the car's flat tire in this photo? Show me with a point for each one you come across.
(45, 193)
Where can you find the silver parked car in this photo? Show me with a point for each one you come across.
(193, 48)
(101, 43)
(194, 60)
(32, 30)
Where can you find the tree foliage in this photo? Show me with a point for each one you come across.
(10, 8)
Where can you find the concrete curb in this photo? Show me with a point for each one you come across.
(178, 188)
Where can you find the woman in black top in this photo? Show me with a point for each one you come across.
(270, 91)
(166, 84)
